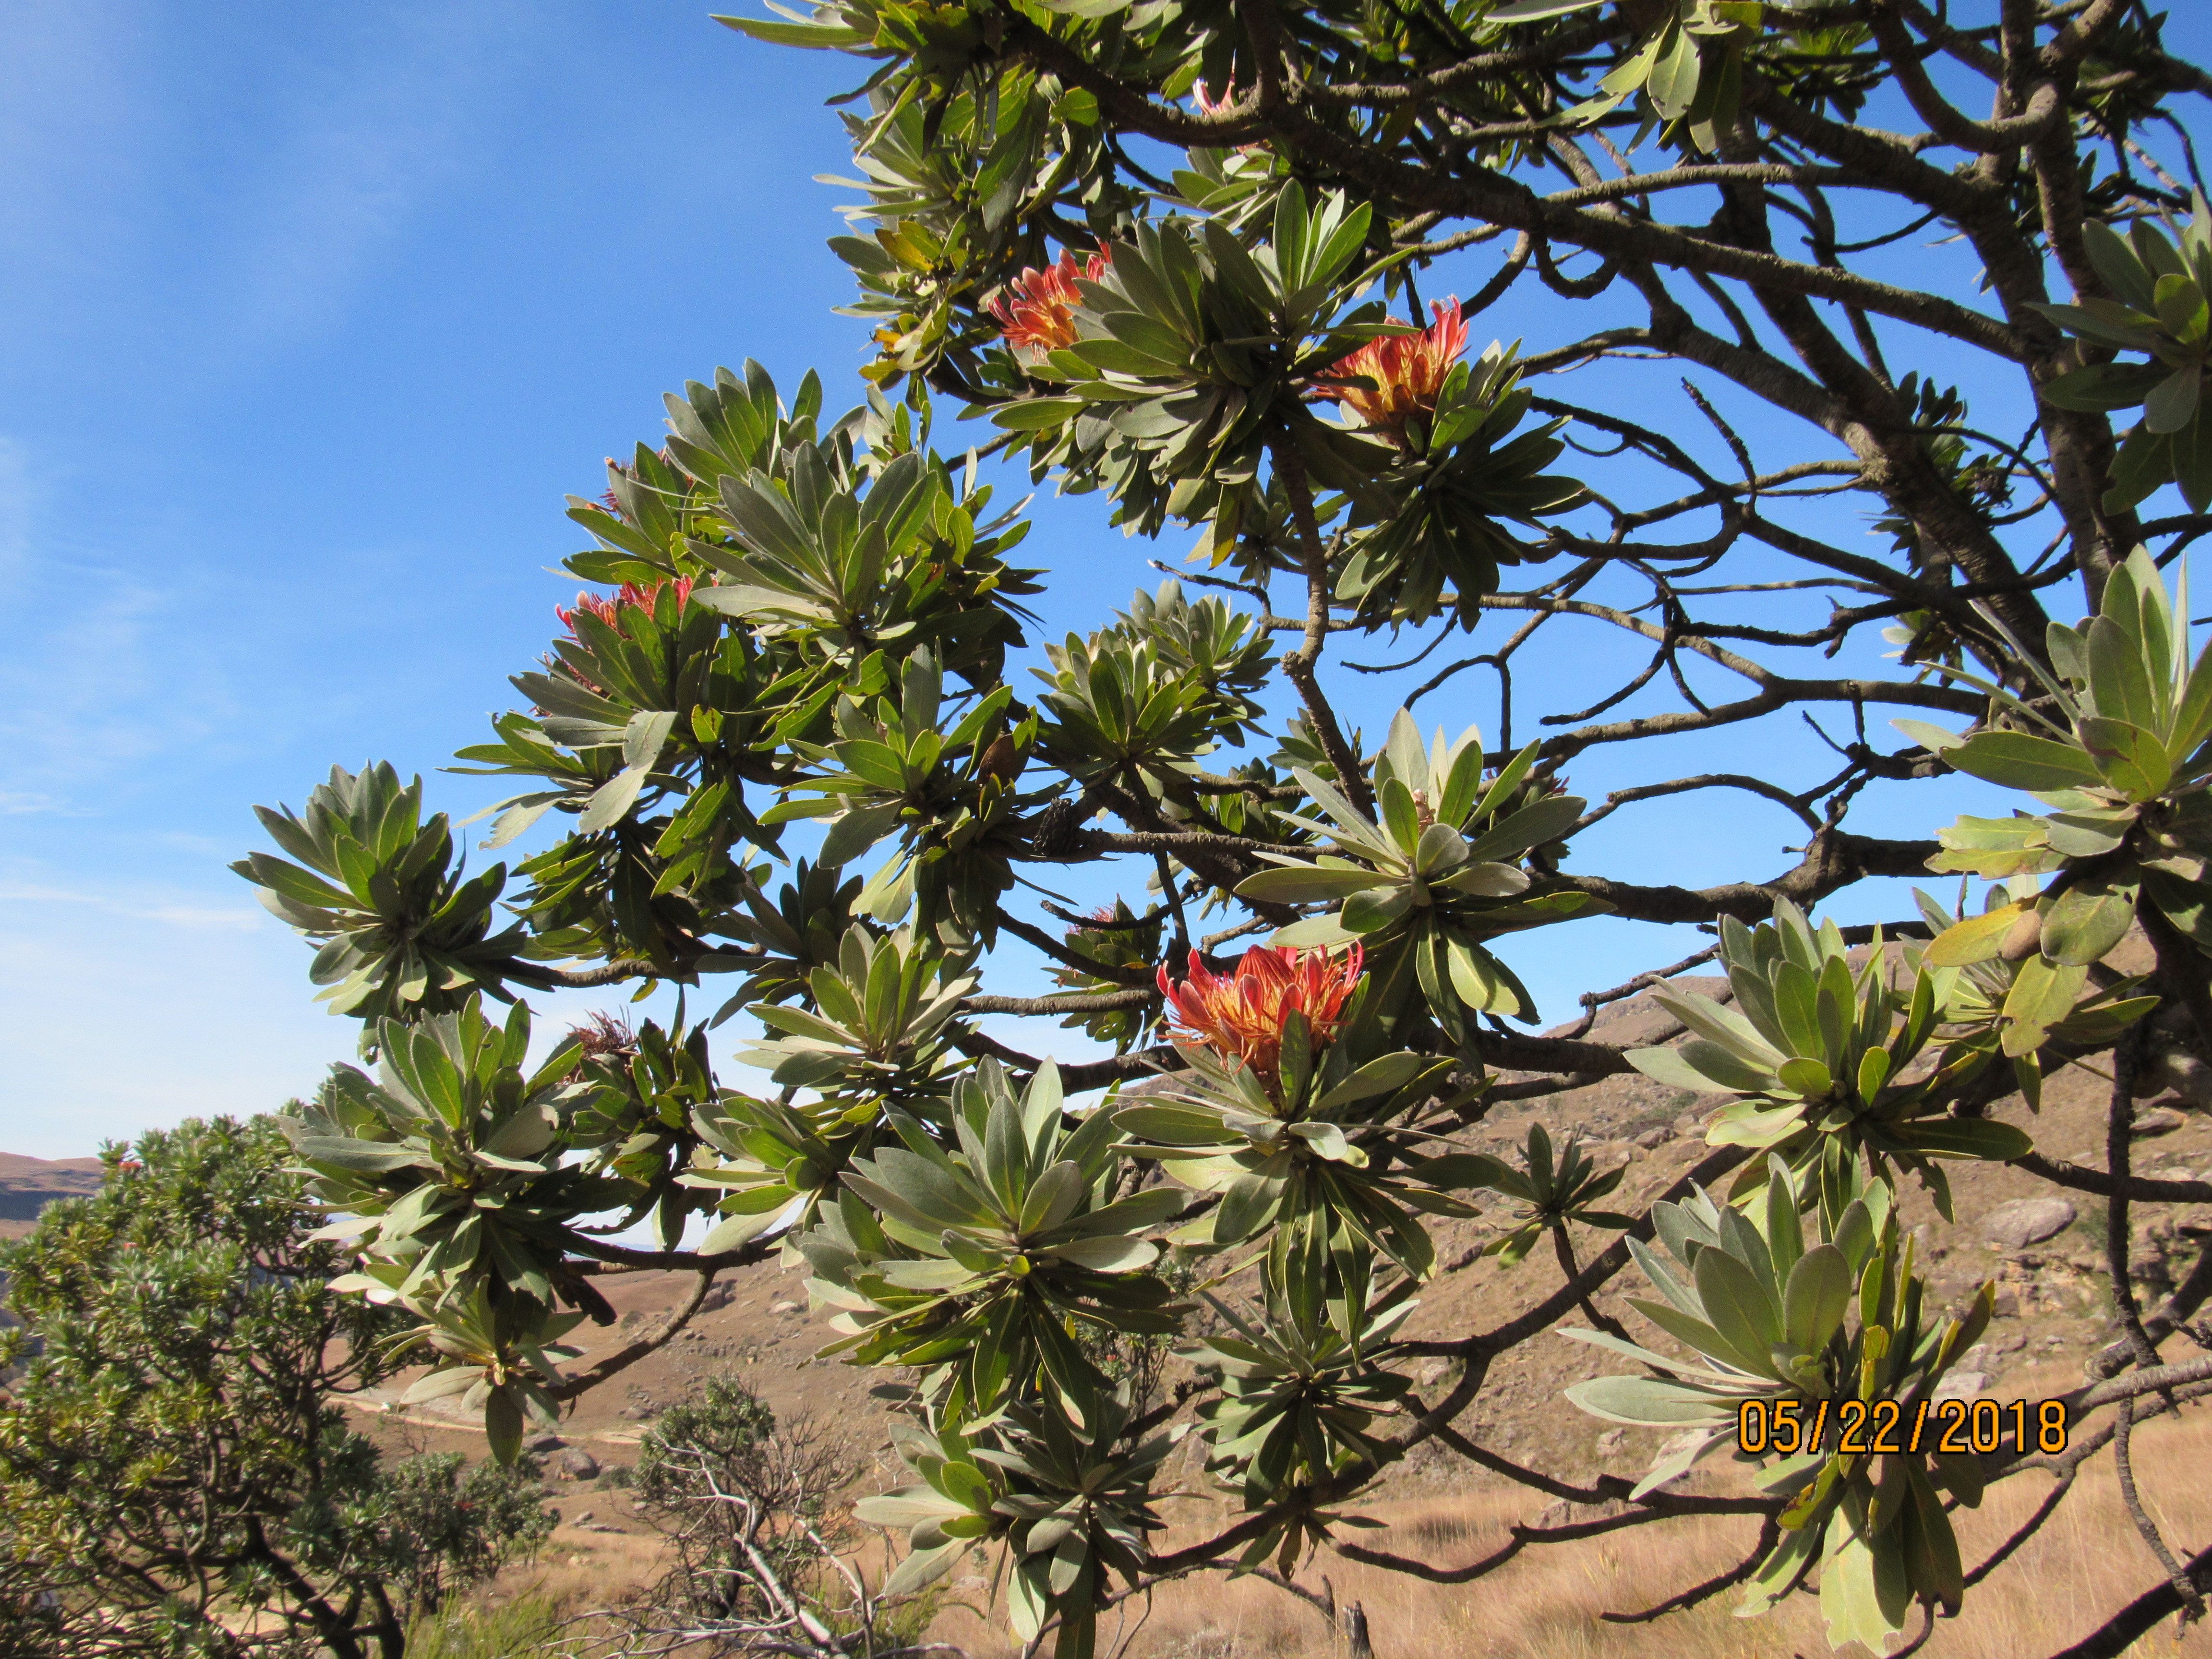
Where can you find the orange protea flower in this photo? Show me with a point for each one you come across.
(1037, 314)
(631, 597)
(1240, 1015)
(1407, 370)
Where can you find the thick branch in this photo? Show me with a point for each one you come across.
(1834, 859)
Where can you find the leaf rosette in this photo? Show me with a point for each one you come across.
(448, 1164)
(1070, 1504)
(2160, 283)
(1304, 1379)
(403, 931)
(1769, 1320)
(1296, 1112)
(980, 1261)
(877, 1030)
(1821, 1055)
(2129, 817)
(1551, 1190)
(1425, 889)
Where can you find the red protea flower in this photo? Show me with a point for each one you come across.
(631, 597)
(1407, 370)
(1037, 314)
(1240, 1015)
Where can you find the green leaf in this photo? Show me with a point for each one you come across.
(1245, 1207)
(1724, 1069)
(1307, 884)
(2087, 922)
(1174, 1126)
(1931, 1556)
(1863, 1593)
(1037, 414)
(857, 831)
(1667, 1065)
(1818, 1296)
(2132, 758)
(1457, 1171)
(1543, 821)
(2040, 997)
(1967, 1137)
(2020, 761)
(733, 1231)
(1528, 11)
(1740, 1308)
(612, 801)
(1649, 1401)
(1808, 1078)
(922, 1569)
(1378, 1076)
(1975, 939)
(1934, 738)
(776, 32)
(1107, 1253)
(1373, 909)
(503, 1425)
(1314, 932)
(1673, 80)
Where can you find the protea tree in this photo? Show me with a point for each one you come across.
(1183, 261)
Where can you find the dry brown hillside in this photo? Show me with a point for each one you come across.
(1546, 1602)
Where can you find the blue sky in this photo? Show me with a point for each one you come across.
(316, 313)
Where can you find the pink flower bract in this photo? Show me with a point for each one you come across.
(1407, 370)
(1240, 1015)
(630, 597)
(1037, 314)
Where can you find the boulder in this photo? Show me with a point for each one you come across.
(579, 1464)
(543, 1442)
(2158, 1121)
(2026, 1221)
(1961, 1385)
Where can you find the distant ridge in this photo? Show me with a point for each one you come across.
(27, 1185)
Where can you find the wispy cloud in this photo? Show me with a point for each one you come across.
(170, 911)
(199, 198)
(215, 186)
(357, 143)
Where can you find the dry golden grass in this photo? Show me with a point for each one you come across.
(2083, 1566)
(578, 1570)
